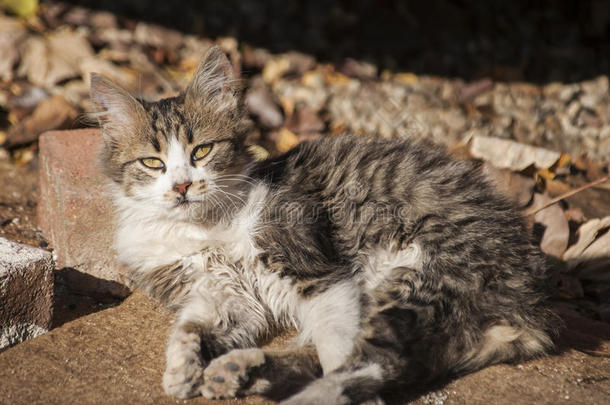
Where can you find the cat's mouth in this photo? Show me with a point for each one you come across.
(183, 202)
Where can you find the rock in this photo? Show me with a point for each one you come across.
(75, 213)
(26, 292)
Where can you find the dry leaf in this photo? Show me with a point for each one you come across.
(258, 152)
(474, 89)
(261, 103)
(284, 140)
(358, 69)
(575, 214)
(12, 33)
(557, 230)
(274, 69)
(304, 120)
(512, 155)
(47, 61)
(406, 78)
(52, 113)
(22, 8)
(591, 253)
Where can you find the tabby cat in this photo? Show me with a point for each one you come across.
(395, 263)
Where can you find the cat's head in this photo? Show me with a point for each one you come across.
(182, 155)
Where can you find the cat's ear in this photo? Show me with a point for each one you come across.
(117, 110)
(214, 82)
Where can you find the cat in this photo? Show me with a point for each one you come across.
(397, 264)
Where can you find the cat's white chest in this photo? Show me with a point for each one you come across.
(145, 241)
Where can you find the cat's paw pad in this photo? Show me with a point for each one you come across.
(183, 380)
(226, 375)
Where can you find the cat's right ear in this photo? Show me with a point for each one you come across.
(117, 110)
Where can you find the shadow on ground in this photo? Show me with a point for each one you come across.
(77, 294)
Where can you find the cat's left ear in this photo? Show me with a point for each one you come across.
(117, 110)
(214, 82)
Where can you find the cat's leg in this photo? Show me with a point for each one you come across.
(329, 320)
(207, 327)
(273, 373)
(366, 339)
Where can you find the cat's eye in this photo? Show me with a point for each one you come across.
(201, 151)
(153, 163)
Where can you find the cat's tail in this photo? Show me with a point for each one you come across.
(505, 343)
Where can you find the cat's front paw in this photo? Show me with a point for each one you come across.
(228, 375)
(183, 380)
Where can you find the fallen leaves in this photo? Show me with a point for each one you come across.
(12, 34)
(52, 113)
(556, 234)
(503, 153)
(49, 60)
(591, 252)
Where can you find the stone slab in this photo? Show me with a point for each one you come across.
(116, 356)
(26, 292)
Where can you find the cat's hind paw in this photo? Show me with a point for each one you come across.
(228, 375)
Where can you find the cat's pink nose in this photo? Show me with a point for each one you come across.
(182, 188)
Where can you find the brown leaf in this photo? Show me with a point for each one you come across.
(358, 69)
(304, 120)
(575, 214)
(52, 113)
(474, 89)
(47, 61)
(557, 230)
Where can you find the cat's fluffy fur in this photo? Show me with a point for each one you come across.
(395, 263)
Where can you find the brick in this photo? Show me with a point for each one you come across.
(26, 292)
(75, 212)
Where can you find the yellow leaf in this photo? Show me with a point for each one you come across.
(331, 77)
(546, 174)
(406, 78)
(23, 156)
(287, 104)
(258, 152)
(286, 141)
(312, 78)
(274, 69)
(564, 160)
(22, 8)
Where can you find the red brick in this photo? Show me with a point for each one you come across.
(26, 292)
(75, 213)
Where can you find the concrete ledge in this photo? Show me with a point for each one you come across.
(26, 292)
